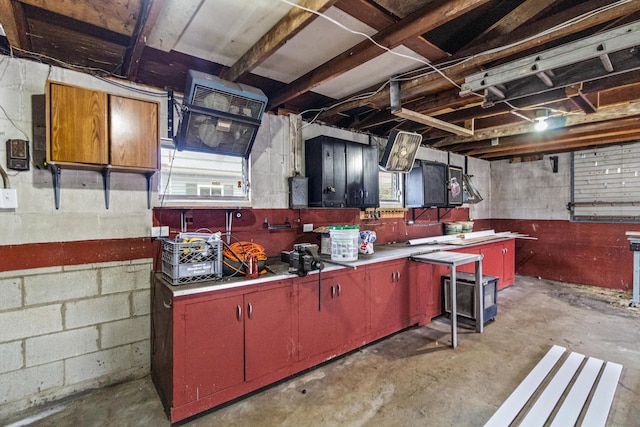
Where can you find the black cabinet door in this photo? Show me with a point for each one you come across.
(414, 187)
(362, 176)
(370, 177)
(325, 169)
(341, 173)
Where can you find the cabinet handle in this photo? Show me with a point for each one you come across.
(250, 310)
(339, 289)
(397, 276)
(333, 291)
(239, 312)
(393, 276)
(167, 304)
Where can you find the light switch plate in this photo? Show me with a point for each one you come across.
(306, 228)
(8, 198)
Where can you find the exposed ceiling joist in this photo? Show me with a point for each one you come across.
(366, 12)
(417, 23)
(521, 14)
(290, 25)
(433, 82)
(14, 24)
(119, 16)
(432, 121)
(146, 21)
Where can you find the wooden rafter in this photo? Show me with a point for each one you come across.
(146, 20)
(290, 25)
(419, 22)
(14, 23)
(516, 18)
(433, 83)
(372, 16)
(116, 15)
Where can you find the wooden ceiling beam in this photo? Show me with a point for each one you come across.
(433, 82)
(516, 18)
(553, 147)
(14, 23)
(561, 136)
(290, 25)
(119, 16)
(366, 12)
(422, 20)
(146, 21)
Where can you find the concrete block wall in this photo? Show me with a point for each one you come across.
(67, 329)
(531, 190)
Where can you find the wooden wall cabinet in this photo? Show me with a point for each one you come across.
(90, 129)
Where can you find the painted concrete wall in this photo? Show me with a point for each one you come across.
(530, 190)
(73, 325)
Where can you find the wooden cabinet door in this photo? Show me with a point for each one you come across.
(342, 318)
(317, 327)
(271, 332)
(389, 295)
(492, 264)
(77, 125)
(348, 306)
(133, 126)
(509, 264)
(213, 352)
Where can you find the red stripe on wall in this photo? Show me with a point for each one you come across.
(50, 254)
(589, 253)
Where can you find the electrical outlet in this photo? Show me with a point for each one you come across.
(8, 198)
(155, 231)
(306, 228)
(164, 231)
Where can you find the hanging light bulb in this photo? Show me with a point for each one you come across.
(541, 124)
(541, 120)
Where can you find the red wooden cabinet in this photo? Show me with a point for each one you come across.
(271, 329)
(213, 339)
(339, 322)
(390, 296)
(509, 263)
(208, 349)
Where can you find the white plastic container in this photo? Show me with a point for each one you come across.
(344, 242)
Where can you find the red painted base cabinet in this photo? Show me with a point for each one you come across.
(334, 322)
(212, 347)
(208, 349)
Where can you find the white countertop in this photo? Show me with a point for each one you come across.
(383, 252)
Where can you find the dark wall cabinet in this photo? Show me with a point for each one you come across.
(341, 173)
(426, 185)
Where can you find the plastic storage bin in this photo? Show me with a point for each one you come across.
(344, 242)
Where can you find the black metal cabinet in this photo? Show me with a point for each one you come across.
(341, 173)
(426, 185)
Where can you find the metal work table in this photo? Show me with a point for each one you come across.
(634, 242)
(453, 260)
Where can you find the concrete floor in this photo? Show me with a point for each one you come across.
(413, 378)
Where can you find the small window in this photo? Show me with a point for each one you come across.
(189, 176)
(390, 188)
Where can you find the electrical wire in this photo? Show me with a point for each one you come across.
(344, 27)
(13, 123)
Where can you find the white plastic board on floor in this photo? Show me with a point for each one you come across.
(600, 406)
(575, 400)
(521, 395)
(540, 411)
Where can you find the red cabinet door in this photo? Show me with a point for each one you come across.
(213, 333)
(270, 329)
(425, 279)
(389, 295)
(508, 264)
(492, 264)
(342, 317)
(471, 267)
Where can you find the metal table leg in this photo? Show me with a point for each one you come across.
(454, 308)
(479, 295)
(636, 279)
